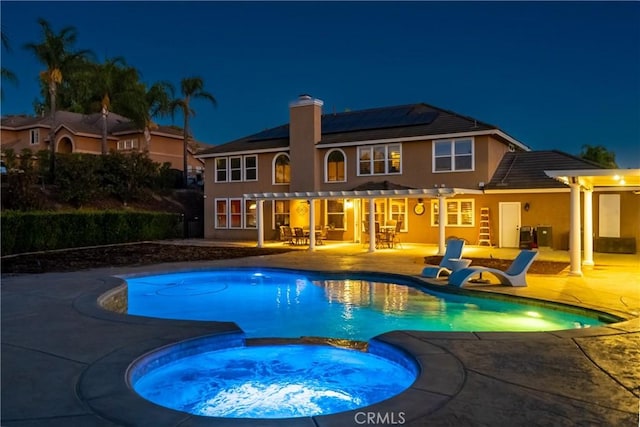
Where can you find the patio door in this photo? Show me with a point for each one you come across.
(509, 224)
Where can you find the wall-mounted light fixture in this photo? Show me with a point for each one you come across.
(420, 201)
(252, 206)
(527, 206)
(348, 204)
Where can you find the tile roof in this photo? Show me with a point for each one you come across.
(85, 123)
(525, 169)
(371, 124)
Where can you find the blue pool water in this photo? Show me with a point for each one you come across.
(289, 304)
(283, 381)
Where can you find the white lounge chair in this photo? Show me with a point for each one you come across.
(515, 275)
(453, 251)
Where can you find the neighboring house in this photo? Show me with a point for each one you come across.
(81, 133)
(407, 163)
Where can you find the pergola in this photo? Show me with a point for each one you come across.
(586, 180)
(441, 193)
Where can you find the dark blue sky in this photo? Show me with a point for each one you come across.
(554, 75)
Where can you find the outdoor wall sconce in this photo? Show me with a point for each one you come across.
(420, 201)
(348, 204)
(527, 206)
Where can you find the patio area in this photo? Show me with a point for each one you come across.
(63, 356)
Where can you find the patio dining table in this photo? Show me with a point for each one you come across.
(386, 235)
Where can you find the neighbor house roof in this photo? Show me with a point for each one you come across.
(402, 121)
(88, 124)
(526, 169)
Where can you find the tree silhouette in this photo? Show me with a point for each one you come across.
(599, 154)
(191, 88)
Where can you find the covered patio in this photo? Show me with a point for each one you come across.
(366, 196)
(587, 181)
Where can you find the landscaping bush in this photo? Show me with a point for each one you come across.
(38, 231)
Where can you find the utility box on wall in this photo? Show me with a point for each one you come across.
(616, 245)
(544, 235)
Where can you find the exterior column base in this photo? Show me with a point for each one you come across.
(588, 263)
(575, 273)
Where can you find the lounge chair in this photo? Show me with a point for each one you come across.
(453, 251)
(515, 275)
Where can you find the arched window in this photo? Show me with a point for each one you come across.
(281, 169)
(335, 166)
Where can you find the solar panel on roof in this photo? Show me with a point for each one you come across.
(376, 119)
(407, 115)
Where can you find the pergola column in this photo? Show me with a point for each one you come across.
(260, 220)
(312, 225)
(372, 225)
(574, 230)
(441, 222)
(588, 227)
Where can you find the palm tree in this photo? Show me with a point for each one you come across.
(108, 79)
(54, 51)
(6, 73)
(191, 88)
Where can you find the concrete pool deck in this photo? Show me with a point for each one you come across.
(64, 358)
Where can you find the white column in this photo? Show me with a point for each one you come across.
(574, 231)
(588, 227)
(312, 225)
(372, 225)
(442, 218)
(260, 220)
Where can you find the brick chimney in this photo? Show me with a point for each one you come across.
(305, 131)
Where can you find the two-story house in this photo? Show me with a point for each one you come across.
(404, 163)
(81, 133)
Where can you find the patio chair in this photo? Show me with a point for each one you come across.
(515, 275)
(321, 234)
(298, 236)
(285, 234)
(396, 234)
(453, 252)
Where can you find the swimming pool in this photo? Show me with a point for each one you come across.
(355, 306)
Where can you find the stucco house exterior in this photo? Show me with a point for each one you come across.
(81, 133)
(407, 163)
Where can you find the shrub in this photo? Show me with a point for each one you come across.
(77, 178)
(38, 231)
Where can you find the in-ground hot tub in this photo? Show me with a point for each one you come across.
(221, 377)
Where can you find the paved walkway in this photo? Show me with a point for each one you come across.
(64, 358)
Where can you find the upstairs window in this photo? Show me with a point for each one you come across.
(453, 155)
(281, 169)
(335, 166)
(250, 168)
(235, 168)
(380, 160)
(127, 144)
(221, 169)
(34, 136)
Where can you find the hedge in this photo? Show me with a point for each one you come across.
(39, 231)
